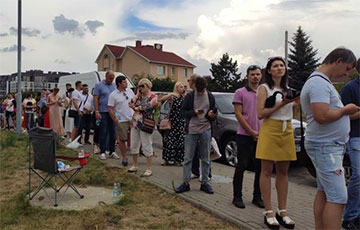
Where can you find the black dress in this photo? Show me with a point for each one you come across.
(174, 141)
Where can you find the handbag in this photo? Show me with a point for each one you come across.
(147, 125)
(165, 124)
(214, 150)
(72, 113)
(270, 101)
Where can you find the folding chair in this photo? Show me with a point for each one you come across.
(43, 141)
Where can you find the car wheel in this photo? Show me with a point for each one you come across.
(229, 151)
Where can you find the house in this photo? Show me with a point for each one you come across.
(144, 59)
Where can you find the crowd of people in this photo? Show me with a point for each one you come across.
(264, 135)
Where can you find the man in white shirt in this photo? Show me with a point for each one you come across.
(85, 120)
(121, 113)
(29, 105)
(75, 105)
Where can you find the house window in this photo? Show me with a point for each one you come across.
(161, 70)
(185, 72)
(172, 71)
(106, 62)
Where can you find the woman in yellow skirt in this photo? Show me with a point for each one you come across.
(276, 141)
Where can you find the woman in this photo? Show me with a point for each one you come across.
(10, 111)
(53, 102)
(143, 105)
(276, 142)
(69, 121)
(173, 153)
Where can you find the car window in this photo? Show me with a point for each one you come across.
(224, 103)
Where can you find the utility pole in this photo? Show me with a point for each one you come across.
(19, 96)
(286, 48)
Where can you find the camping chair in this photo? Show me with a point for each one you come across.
(43, 141)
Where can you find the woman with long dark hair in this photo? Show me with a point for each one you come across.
(276, 141)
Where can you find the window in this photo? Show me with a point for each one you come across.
(161, 70)
(185, 72)
(172, 71)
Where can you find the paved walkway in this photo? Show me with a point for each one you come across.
(300, 197)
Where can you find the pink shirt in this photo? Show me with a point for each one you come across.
(247, 98)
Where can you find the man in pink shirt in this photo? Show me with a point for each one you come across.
(245, 103)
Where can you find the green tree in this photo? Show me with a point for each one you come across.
(302, 59)
(225, 76)
(161, 85)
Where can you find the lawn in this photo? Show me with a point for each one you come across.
(143, 206)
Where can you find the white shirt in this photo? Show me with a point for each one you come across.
(83, 101)
(120, 101)
(89, 105)
(75, 95)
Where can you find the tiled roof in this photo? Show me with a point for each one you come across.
(152, 54)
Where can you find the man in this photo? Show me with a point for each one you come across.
(107, 127)
(327, 132)
(121, 113)
(350, 93)
(65, 95)
(199, 111)
(42, 107)
(75, 105)
(245, 104)
(195, 166)
(29, 105)
(85, 120)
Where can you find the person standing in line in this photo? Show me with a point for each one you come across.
(276, 142)
(69, 121)
(85, 120)
(350, 93)
(63, 97)
(102, 91)
(143, 104)
(29, 105)
(75, 105)
(173, 153)
(245, 104)
(121, 113)
(199, 110)
(53, 102)
(9, 111)
(327, 131)
(89, 109)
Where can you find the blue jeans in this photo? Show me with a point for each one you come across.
(29, 121)
(107, 133)
(327, 158)
(352, 209)
(202, 141)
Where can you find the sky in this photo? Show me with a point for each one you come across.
(68, 35)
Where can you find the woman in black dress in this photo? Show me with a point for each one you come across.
(173, 146)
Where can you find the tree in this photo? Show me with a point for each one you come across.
(160, 85)
(302, 59)
(225, 76)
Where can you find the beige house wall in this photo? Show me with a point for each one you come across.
(106, 63)
(134, 64)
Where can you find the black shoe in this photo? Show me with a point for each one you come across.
(184, 187)
(238, 202)
(206, 188)
(350, 225)
(258, 202)
(125, 162)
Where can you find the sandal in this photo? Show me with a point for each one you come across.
(132, 169)
(147, 173)
(285, 221)
(271, 222)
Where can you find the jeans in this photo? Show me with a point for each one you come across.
(29, 121)
(107, 133)
(192, 141)
(96, 129)
(327, 158)
(246, 148)
(352, 209)
(195, 166)
(85, 121)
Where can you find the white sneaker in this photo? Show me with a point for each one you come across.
(107, 152)
(103, 156)
(114, 155)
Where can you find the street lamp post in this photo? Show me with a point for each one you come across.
(19, 96)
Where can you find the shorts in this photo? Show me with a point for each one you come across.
(77, 121)
(328, 158)
(122, 129)
(141, 139)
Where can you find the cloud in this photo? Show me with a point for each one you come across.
(93, 25)
(63, 25)
(25, 31)
(12, 48)
(4, 34)
(46, 36)
(134, 23)
(154, 36)
(61, 61)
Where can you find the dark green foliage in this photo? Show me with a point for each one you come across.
(225, 76)
(302, 58)
(159, 85)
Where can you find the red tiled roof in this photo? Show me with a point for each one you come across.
(153, 55)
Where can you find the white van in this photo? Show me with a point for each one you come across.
(90, 78)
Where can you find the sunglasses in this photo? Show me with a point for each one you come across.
(127, 98)
(141, 86)
(189, 80)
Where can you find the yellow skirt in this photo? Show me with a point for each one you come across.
(274, 144)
